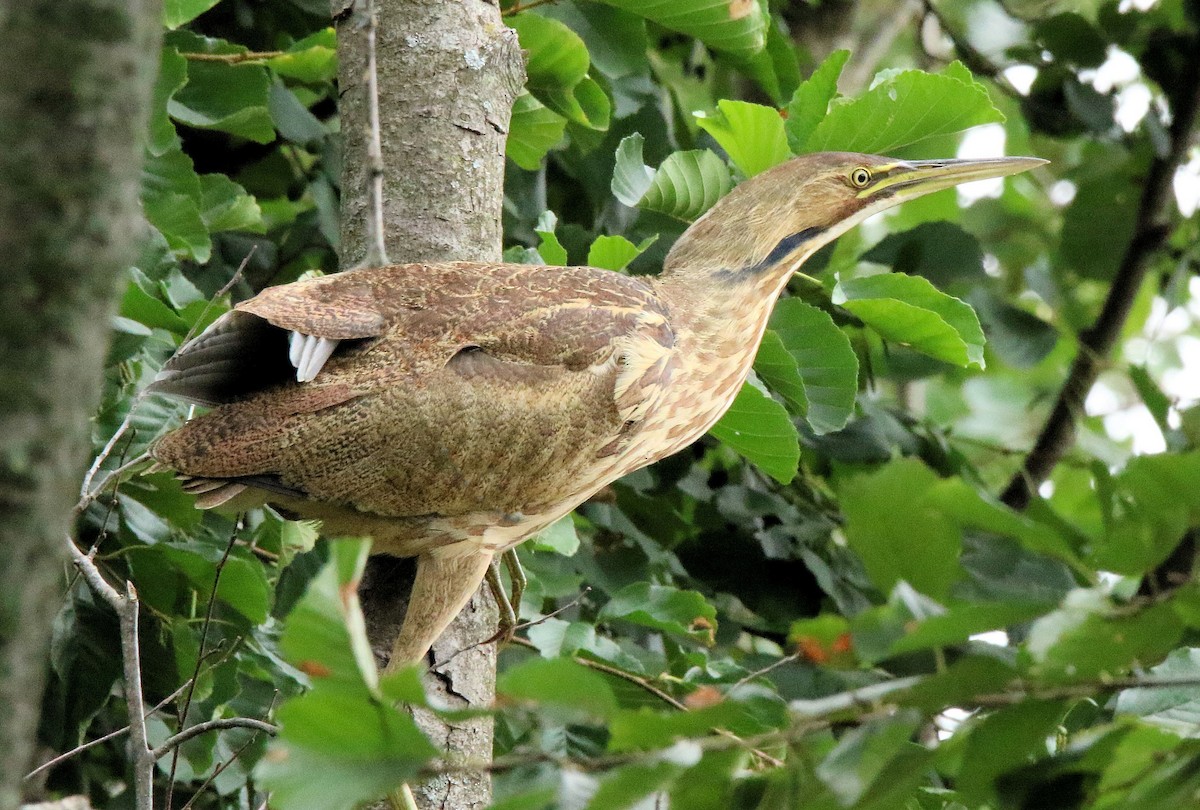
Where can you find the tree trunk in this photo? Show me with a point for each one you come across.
(75, 83)
(448, 73)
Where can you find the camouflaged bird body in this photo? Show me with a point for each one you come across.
(469, 401)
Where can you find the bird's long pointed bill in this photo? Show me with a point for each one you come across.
(916, 178)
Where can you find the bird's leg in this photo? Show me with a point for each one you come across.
(508, 614)
(444, 584)
(516, 575)
(509, 606)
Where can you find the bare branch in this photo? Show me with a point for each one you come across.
(126, 607)
(173, 742)
(376, 249)
(233, 58)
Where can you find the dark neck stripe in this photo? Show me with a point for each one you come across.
(786, 246)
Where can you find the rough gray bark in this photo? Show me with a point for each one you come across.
(74, 88)
(448, 74)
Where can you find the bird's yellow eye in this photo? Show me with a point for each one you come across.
(860, 177)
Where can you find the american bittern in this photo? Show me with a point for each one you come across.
(450, 411)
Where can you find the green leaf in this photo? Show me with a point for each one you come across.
(334, 752)
(550, 249)
(229, 98)
(912, 312)
(325, 636)
(292, 118)
(631, 176)
(1155, 500)
(680, 613)
(342, 742)
(225, 206)
(863, 754)
(905, 109)
(776, 367)
(825, 359)
(616, 252)
(645, 728)
(1087, 638)
(1174, 708)
(1098, 224)
(311, 60)
(687, 184)
(559, 537)
(759, 428)
(625, 786)
(810, 103)
(559, 682)
(178, 12)
(533, 131)
(898, 536)
(1007, 738)
(736, 26)
(751, 134)
(172, 75)
(557, 71)
(171, 198)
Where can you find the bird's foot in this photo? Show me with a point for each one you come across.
(509, 607)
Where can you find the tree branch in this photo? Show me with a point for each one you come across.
(126, 607)
(173, 742)
(1095, 344)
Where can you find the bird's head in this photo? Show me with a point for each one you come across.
(774, 221)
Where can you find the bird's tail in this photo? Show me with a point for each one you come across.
(446, 580)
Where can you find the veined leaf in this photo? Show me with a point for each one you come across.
(777, 368)
(759, 428)
(825, 359)
(681, 613)
(751, 134)
(737, 26)
(811, 100)
(616, 252)
(687, 184)
(533, 131)
(557, 71)
(904, 109)
(631, 176)
(911, 311)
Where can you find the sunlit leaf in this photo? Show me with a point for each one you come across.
(825, 360)
(760, 429)
(533, 131)
(751, 134)
(912, 312)
(811, 100)
(905, 109)
(737, 26)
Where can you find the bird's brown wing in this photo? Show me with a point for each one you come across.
(485, 387)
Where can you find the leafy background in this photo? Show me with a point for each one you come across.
(823, 603)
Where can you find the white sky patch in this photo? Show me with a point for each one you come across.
(985, 141)
(1102, 399)
(1133, 102)
(1136, 5)
(1138, 426)
(1062, 192)
(1118, 70)
(948, 721)
(997, 637)
(1021, 77)
(1187, 187)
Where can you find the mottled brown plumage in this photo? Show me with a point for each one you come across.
(466, 406)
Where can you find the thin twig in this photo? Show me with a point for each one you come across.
(787, 659)
(187, 703)
(232, 759)
(233, 58)
(814, 715)
(376, 248)
(517, 8)
(126, 607)
(1095, 344)
(174, 741)
(112, 735)
(645, 684)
